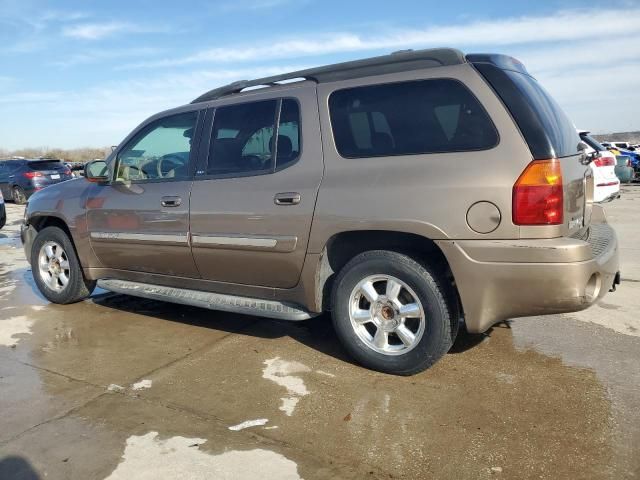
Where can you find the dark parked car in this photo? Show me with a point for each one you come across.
(19, 179)
(3, 212)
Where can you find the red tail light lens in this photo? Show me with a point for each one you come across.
(67, 171)
(32, 174)
(605, 162)
(538, 196)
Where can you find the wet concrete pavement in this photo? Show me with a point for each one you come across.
(123, 388)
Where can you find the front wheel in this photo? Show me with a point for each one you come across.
(56, 268)
(392, 314)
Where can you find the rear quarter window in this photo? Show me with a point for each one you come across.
(409, 118)
(546, 128)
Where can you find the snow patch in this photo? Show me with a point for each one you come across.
(148, 457)
(115, 388)
(281, 372)
(142, 384)
(11, 328)
(249, 424)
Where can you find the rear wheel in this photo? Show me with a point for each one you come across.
(19, 197)
(56, 268)
(392, 313)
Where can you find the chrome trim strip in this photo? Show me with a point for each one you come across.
(246, 242)
(234, 241)
(211, 301)
(140, 237)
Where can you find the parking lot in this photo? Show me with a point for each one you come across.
(118, 387)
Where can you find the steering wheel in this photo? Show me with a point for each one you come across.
(168, 163)
(138, 175)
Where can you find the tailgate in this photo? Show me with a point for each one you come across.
(578, 194)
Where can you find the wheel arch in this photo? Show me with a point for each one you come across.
(40, 222)
(342, 247)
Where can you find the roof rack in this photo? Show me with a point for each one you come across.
(400, 61)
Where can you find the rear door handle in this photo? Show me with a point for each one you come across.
(287, 198)
(171, 201)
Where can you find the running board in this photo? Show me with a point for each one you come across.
(212, 301)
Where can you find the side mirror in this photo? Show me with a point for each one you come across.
(97, 171)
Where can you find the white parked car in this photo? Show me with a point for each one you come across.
(606, 183)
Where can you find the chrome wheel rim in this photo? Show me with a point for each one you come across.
(387, 315)
(54, 266)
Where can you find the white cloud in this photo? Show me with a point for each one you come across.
(96, 31)
(257, 4)
(103, 55)
(500, 33)
(105, 113)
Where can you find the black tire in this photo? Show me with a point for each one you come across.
(18, 195)
(437, 299)
(77, 288)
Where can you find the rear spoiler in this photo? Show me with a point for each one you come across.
(503, 62)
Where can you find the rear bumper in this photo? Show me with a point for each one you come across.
(536, 277)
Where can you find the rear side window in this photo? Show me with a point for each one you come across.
(409, 118)
(42, 166)
(546, 128)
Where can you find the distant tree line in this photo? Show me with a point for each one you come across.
(631, 137)
(70, 155)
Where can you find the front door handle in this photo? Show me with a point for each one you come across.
(171, 201)
(287, 198)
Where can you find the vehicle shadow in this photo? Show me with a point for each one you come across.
(17, 468)
(316, 333)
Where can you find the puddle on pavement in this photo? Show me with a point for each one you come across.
(172, 457)
(511, 403)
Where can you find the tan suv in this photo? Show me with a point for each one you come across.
(403, 193)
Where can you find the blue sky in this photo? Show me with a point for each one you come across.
(83, 73)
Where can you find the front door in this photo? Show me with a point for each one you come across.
(252, 203)
(140, 221)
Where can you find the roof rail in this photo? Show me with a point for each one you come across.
(400, 61)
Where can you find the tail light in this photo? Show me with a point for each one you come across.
(32, 174)
(604, 162)
(538, 196)
(67, 171)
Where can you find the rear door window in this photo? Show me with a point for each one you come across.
(409, 118)
(243, 140)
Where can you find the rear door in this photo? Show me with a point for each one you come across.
(253, 202)
(140, 221)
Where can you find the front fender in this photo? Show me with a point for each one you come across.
(63, 204)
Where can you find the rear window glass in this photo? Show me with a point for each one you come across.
(45, 165)
(546, 128)
(409, 118)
